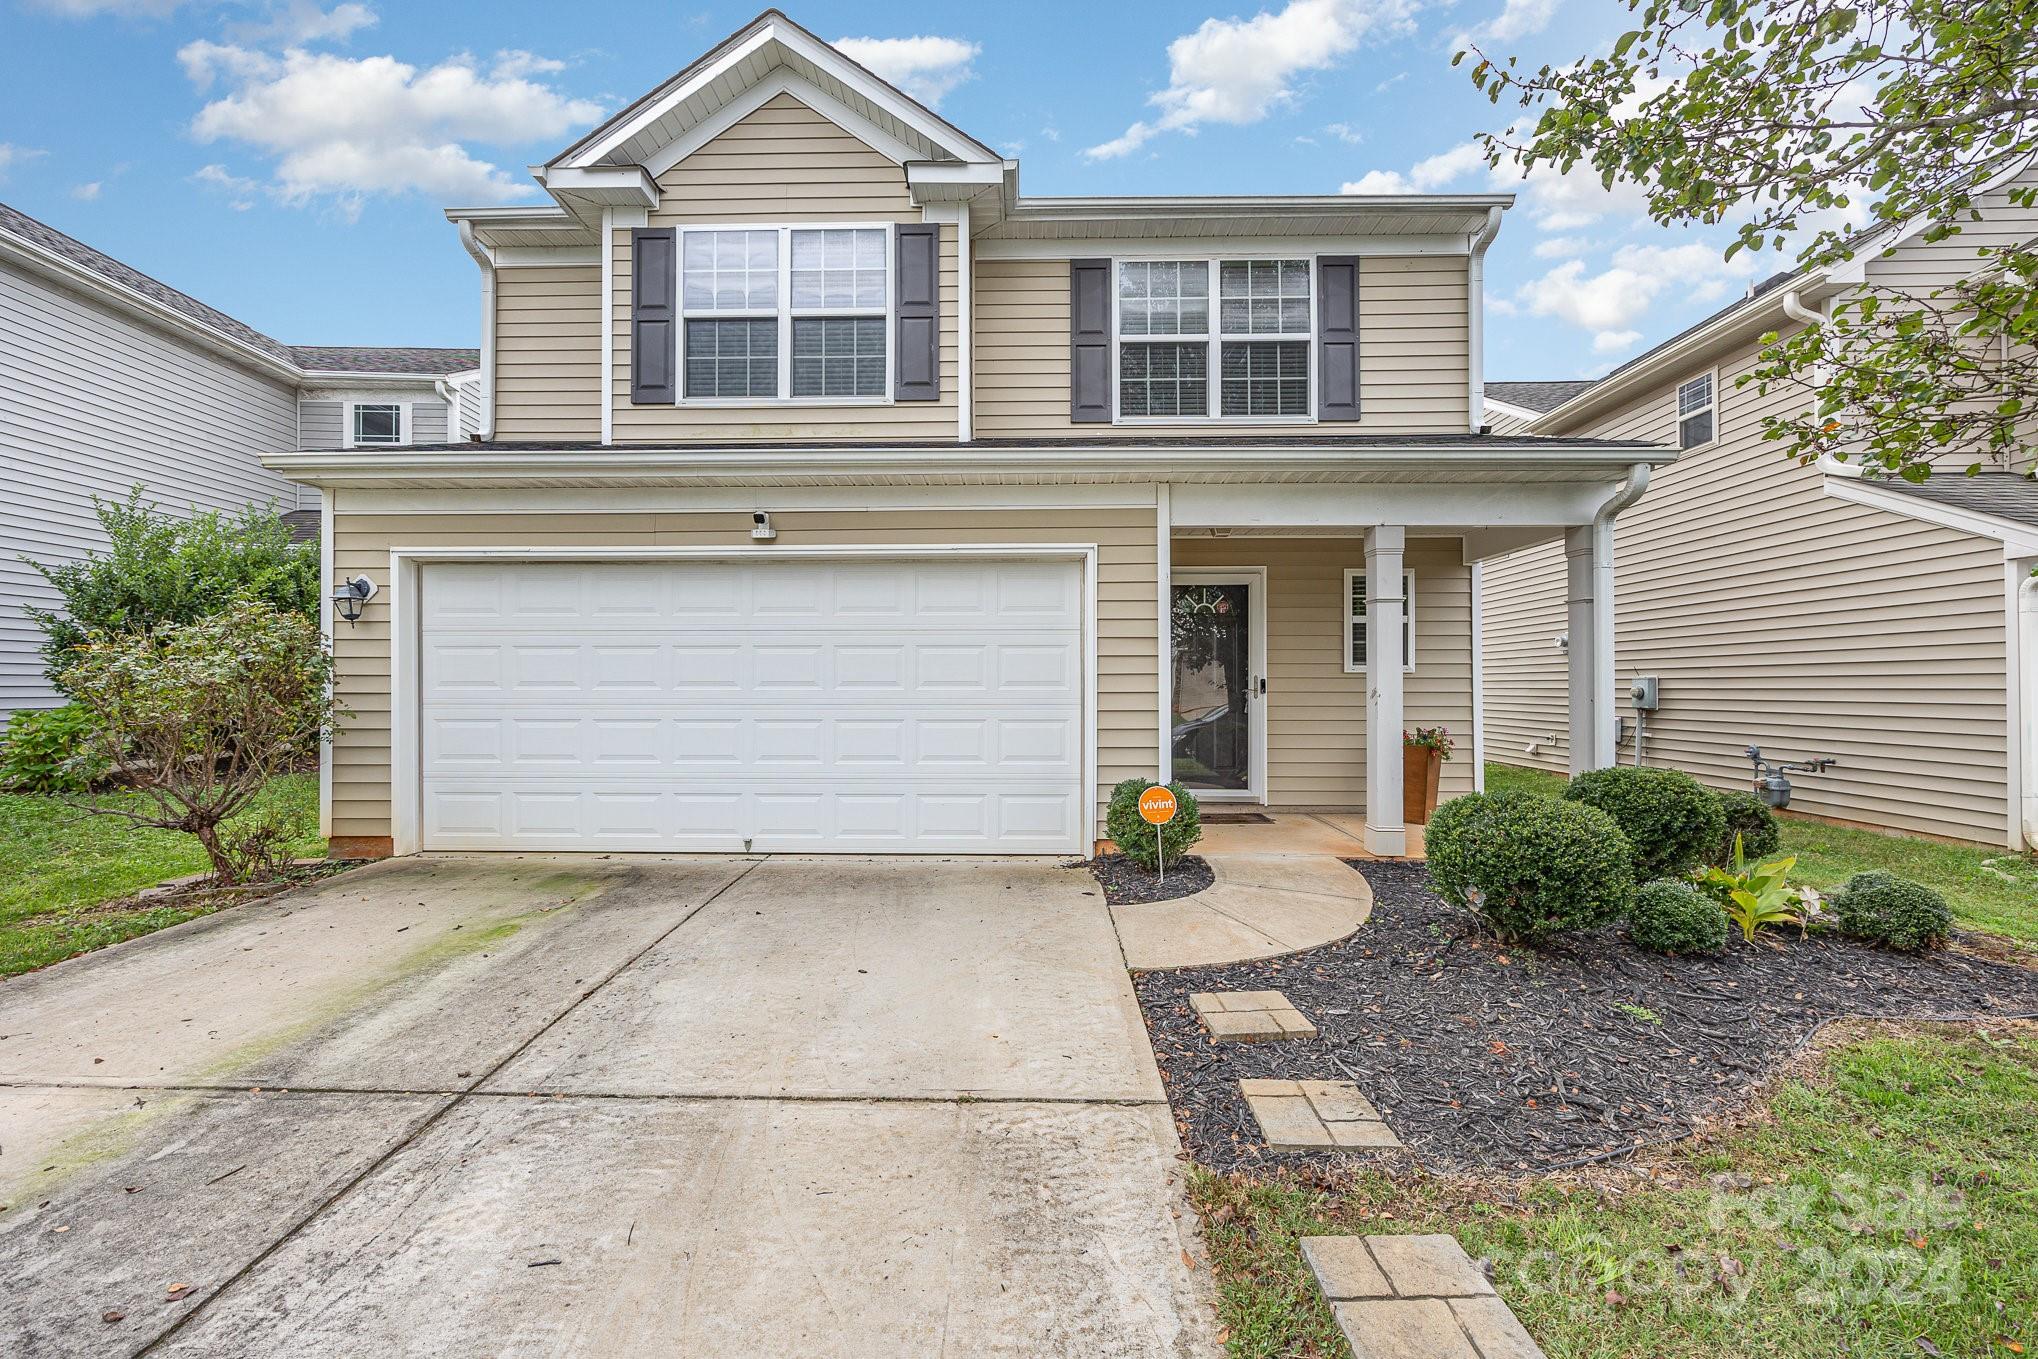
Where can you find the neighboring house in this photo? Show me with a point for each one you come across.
(1803, 609)
(1510, 406)
(834, 495)
(111, 380)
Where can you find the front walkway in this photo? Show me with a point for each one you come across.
(506, 1106)
(1342, 834)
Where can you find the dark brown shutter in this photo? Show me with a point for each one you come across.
(1337, 337)
(917, 327)
(1090, 342)
(654, 331)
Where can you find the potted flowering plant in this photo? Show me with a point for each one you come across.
(1423, 752)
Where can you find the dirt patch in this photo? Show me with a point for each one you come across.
(1486, 1057)
(1126, 883)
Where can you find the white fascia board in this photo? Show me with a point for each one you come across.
(679, 466)
(539, 257)
(590, 150)
(49, 264)
(1072, 247)
(1494, 405)
(535, 215)
(1534, 506)
(334, 385)
(782, 81)
(2018, 540)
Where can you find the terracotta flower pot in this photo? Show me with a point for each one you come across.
(1421, 769)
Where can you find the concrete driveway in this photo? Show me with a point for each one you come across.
(512, 1106)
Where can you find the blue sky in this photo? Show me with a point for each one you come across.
(286, 161)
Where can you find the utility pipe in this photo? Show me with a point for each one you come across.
(2027, 676)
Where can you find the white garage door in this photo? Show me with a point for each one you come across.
(791, 705)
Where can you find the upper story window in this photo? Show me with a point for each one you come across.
(1256, 315)
(377, 424)
(1697, 412)
(752, 299)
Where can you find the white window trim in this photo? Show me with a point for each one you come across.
(1679, 415)
(403, 423)
(784, 314)
(1214, 337)
(1352, 574)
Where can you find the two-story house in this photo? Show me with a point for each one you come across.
(1805, 609)
(110, 379)
(834, 495)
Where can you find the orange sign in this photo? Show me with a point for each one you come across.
(1157, 806)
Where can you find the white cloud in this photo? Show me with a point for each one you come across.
(12, 155)
(1427, 175)
(87, 193)
(1607, 303)
(1518, 19)
(1236, 71)
(292, 23)
(91, 9)
(928, 68)
(375, 125)
(240, 190)
(1556, 247)
(1345, 133)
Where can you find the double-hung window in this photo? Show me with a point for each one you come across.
(1214, 339)
(1355, 621)
(785, 313)
(1697, 412)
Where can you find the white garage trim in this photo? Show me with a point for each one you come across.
(406, 642)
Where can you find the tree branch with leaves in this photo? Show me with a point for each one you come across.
(1806, 126)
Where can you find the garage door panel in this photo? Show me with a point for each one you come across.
(851, 705)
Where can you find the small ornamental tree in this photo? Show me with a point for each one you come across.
(164, 568)
(198, 716)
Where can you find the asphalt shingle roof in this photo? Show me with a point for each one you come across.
(1537, 396)
(2006, 495)
(326, 358)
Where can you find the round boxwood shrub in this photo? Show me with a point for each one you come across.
(1533, 866)
(1141, 842)
(1885, 909)
(1672, 821)
(1749, 817)
(1675, 917)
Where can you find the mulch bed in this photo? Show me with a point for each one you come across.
(1486, 1057)
(1126, 883)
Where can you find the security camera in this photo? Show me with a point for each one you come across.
(760, 527)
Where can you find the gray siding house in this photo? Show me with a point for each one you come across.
(110, 379)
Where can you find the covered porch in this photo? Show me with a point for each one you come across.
(1308, 627)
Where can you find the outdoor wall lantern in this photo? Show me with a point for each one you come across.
(350, 595)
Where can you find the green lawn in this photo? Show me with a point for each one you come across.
(59, 865)
(1989, 889)
(1882, 1209)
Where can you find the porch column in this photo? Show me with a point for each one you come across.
(1588, 572)
(1385, 832)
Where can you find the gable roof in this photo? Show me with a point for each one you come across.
(1537, 396)
(2005, 495)
(157, 300)
(771, 41)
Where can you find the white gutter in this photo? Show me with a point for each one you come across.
(2026, 642)
(1796, 310)
(1475, 316)
(486, 259)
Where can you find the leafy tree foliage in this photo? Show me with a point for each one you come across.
(160, 568)
(1785, 119)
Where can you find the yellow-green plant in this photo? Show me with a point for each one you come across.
(1753, 895)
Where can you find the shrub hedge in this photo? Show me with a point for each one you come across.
(1885, 909)
(1533, 866)
(1670, 916)
(1749, 817)
(1141, 842)
(1672, 821)
(44, 751)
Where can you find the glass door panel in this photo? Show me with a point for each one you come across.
(1212, 738)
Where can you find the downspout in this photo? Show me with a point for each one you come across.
(1601, 681)
(1475, 319)
(2027, 674)
(486, 259)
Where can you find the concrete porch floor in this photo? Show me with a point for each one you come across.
(1339, 833)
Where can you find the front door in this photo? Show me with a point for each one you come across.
(1213, 717)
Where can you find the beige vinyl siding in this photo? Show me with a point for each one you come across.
(1500, 422)
(1414, 365)
(548, 353)
(1127, 606)
(784, 163)
(1316, 711)
(1779, 616)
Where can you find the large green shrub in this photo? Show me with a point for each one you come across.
(1531, 865)
(161, 568)
(1885, 909)
(44, 751)
(1670, 916)
(1672, 821)
(1749, 817)
(1142, 843)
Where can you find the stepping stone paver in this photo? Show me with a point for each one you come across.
(1250, 1016)
(1315, 1115)
(1414, 1297)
